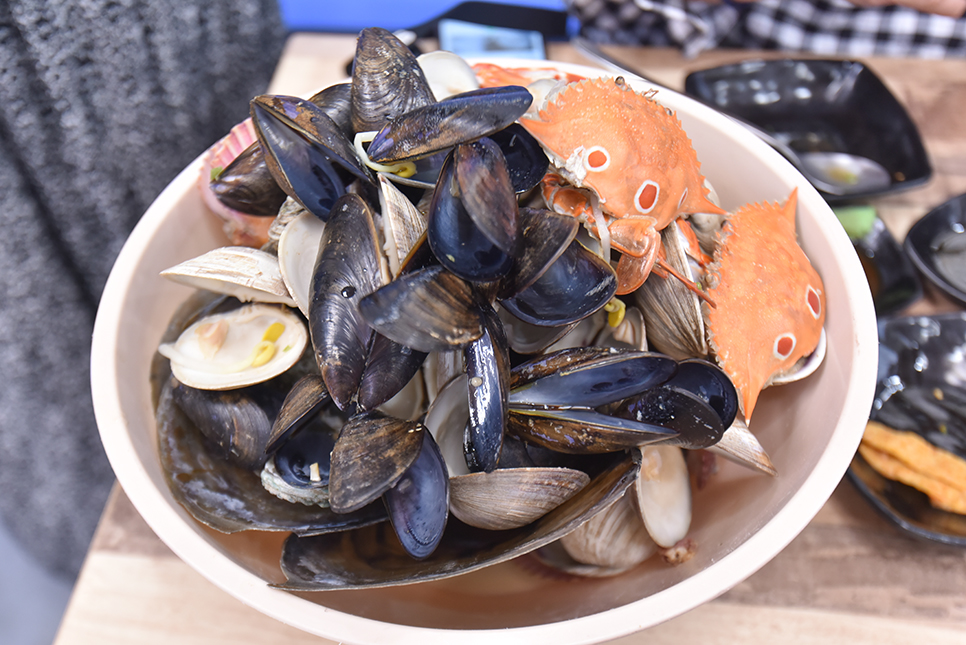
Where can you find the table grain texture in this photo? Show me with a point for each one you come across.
(849, 577)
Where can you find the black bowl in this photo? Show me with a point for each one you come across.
(919, 355)
(936, 244)
(821, 105)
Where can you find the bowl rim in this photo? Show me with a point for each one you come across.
(745, 559)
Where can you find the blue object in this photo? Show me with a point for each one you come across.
(310, 15)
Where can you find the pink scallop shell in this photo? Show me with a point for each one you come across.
(240, 229)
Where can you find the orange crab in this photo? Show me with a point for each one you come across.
(771, 301)
(633, 156)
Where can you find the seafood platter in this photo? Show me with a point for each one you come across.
(455, 347)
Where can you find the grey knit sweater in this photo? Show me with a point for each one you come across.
(102, 102)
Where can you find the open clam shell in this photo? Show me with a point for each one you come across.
(244, 346)
(615, 538)
(664, 494)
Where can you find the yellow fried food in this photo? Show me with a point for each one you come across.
(918, 454)
(941, 495)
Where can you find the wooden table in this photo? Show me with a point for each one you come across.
(849, 577)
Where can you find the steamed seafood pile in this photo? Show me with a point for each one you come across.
(427, 335)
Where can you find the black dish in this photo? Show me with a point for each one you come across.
(821, 105)
(937, 246)
(919, 355)
(892, 277)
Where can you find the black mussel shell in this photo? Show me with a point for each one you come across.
(336, 102)
(579, 431)
(303, 402)
(237, 422)
(526, 161)
(545, 235)
(418, 504)
(576, 285)
(524, 338)
(371, 454)
(488, 375)
(428, 310)
(389, 367)
(311, 445)
(697, 423)
(487, 194)
(708, 382)
(371, 558)
(586, 378)
(227, 497)
(247, 185)
(347, 270)
(456, 240)
(457, 119)
(386, 80)
(310, 158)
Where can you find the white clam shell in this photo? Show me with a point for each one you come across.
(447, 74)
(229, 366)
(298, 248)
(741, 446)
(240, 271)
(664, 494)
(615, 538)
(512, 497)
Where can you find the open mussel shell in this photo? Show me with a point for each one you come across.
(240, 271)
(228, 497)
(347, 269)
(524, 338)
(308, 155)
(577, 431)
(239, 347)
(458, 119)
(247, 185)
(664, 494)
(372, 558)
(697, 424)
(302, 403)
(509, 498)
(453, 234)
(372, 453)
(298, 472)
(386, 80)
(525, 160)
(576, 285)
(588, 377)
(446, 418)
(418, 504)
(428, 310)
(545, 235)
(488, 374)
(709, 382)
(614, 539)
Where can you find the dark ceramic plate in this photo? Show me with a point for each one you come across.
(892, 277)
(919, 356)
(821, 105)
(937, 246)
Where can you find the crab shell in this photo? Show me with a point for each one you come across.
(770, 301)
(626, 147)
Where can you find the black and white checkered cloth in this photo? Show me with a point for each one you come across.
(836, 27)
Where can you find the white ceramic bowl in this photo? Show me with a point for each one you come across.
(810, 429)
